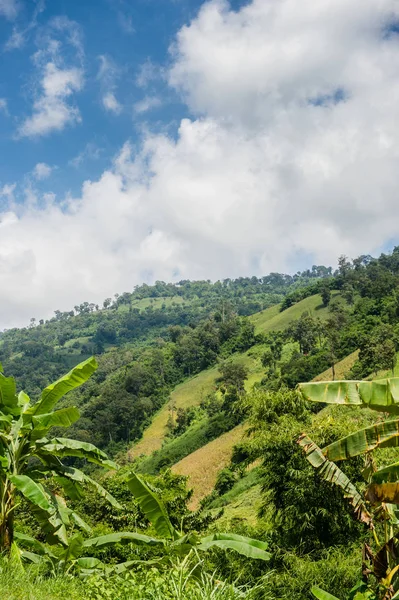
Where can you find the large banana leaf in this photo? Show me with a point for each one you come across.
(66, 447)
(8, 392)
(321, 594)
(383, 492)
(379, 435)
(381, 395)
(30, 542)
(387, 474)
(75, 475)
(59, 388)
(122, 537)
(152, 507)
(65, 417)
(330, 472)
(241, 544)
(44, 506)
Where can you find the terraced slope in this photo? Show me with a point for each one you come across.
(200, 465)
(203, 465)
(193, 390)
(190, 393)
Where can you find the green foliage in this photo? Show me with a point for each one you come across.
(28, 458)
(380, 500)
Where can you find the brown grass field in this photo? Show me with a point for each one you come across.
(203, 465)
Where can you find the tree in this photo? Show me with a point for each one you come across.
(326, 295)
(377, 506)
(305, 332)
(28, 458)
(232, 375)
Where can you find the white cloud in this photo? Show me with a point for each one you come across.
(146, 104)
(293, 156)
(7, 191)
(51, 111)
(9, 8)
(111, 103)
(108, 73)
(42, 171)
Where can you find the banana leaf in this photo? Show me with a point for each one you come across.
(330, 472)
(241, 544)
(52, 393)
(45, 507)
(321, 594)
(122, 537)
(383, 492)
(381, 395)
(152, 507)
(386, 474)
(75, 475)
(8, 397)
(65, 417)
(379, 435)
(66, 447)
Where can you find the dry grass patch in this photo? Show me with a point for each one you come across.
(203, 465)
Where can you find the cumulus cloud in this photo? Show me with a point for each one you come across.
(42, 171)
(57, 76)
(291, 155)
(52, 111)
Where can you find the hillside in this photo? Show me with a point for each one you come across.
(179, 384)
(194, 390)
(202, 466)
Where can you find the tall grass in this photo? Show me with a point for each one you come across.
(28, 584)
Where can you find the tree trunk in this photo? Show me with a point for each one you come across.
(7, 519)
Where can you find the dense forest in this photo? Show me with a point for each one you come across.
(241, 351)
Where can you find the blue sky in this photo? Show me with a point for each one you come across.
(184, 139)
(133, 37)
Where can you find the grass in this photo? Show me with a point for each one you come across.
(191, 393)
(16, 584)
(243, 509)
(341, 368)
(203, 465)
(273, 320)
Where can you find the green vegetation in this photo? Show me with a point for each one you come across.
(196, 388)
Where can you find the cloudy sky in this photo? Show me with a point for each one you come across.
(173, 139)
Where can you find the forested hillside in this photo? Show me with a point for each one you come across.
(198, 380)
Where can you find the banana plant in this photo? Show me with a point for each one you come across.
(170, 546)
(29, 459)
(380, 500)
(177, 543)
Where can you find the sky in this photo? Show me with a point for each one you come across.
(170, 139)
